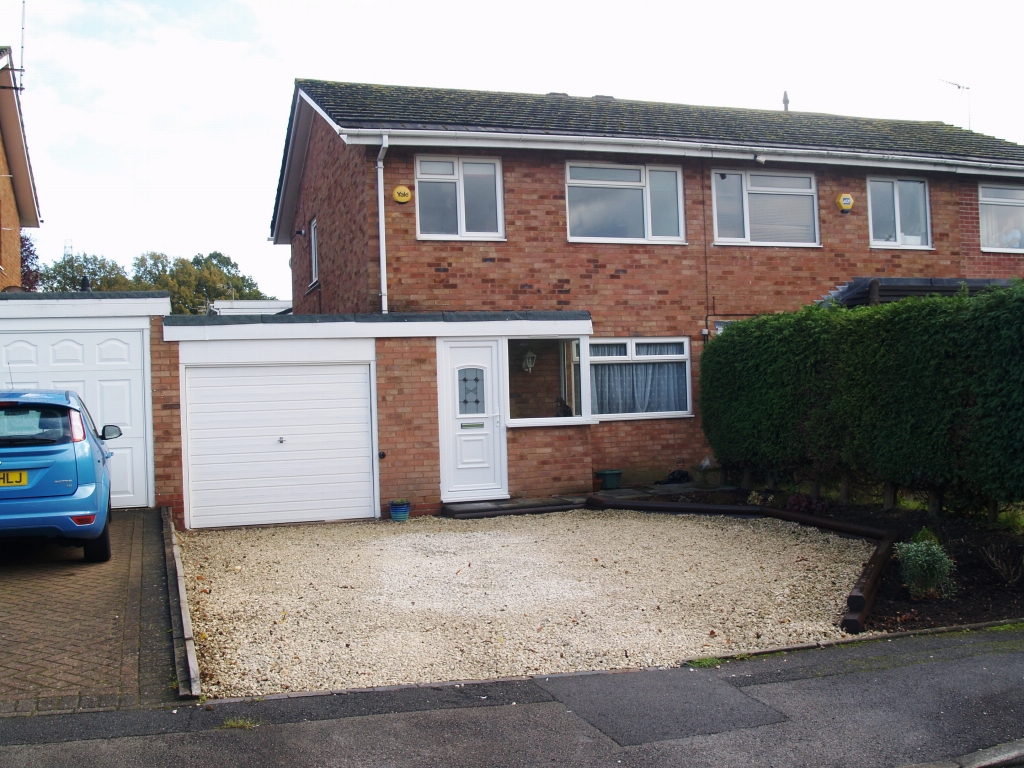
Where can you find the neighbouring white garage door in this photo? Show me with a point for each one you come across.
(278, 444)
(107, 369)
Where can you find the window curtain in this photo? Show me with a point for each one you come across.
(638, 387)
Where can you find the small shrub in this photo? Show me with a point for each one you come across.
(756, 499)
(1012, 520)
(803, 502)
(927, 569)
(1005, 559)
(926, 534)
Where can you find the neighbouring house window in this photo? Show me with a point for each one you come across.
(459, 197)
(640, 378)
(1002, 218)
(624, 202)
(765, 208)
(544, 378)
(898, 213)
(314, 269)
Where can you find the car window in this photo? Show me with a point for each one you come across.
(25, 424)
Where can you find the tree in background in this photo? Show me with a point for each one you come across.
(194, 284)
(29, 263)
(66, 274)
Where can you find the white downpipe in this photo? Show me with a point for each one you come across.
(380, 224)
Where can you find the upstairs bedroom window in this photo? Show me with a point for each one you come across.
(624, 203)
(898, 213)
(639, 378)
(761, 208)
(459, 198)
(1002, 218)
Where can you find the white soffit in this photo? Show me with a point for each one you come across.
(379, 330)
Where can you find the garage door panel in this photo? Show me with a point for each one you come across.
(107, 370)
(240, 473)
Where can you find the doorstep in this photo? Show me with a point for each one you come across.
(467, 510)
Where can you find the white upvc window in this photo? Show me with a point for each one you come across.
(765, 208)
(607, 203)
(644, 378)
(898, 213)
(1001, 210)
(314, 267)
(459, 198)
(547, 381)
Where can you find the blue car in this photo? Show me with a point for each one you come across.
(54, 478)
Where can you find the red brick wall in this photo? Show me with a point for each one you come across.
(407, 427)
(10, 228)
(339, 191)
(543, 461)
(166, 422)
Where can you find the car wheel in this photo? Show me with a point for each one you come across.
(98, 550)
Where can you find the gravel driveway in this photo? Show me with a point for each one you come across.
(319, 607)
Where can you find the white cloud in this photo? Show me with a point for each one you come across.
(159, 125)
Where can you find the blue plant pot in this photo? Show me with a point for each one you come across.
(399, 512)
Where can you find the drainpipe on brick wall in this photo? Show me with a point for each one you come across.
(380, 224)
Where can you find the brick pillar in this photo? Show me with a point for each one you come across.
(170, 490)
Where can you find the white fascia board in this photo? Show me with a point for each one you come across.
(12, 128)
(77, 308)
(275, 352)
(489, 140)
(295, 160)
(384, 330)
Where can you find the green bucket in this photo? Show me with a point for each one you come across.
(610, 478)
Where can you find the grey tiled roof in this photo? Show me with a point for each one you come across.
(359, 105)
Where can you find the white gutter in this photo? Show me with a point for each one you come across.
(434, 138)
(380, 224)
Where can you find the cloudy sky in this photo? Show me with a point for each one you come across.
(158, 125)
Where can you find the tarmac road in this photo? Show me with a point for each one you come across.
(878, 703)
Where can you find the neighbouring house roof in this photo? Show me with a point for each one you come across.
(12, 128)
(444, 117)
(857, 292)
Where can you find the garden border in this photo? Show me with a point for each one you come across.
(861, 597)
(186, 663)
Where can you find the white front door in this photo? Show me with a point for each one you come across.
(472, 431)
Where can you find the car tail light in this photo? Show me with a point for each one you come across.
(77, 427)
(84, 519)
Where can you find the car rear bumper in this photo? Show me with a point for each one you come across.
(51, 516)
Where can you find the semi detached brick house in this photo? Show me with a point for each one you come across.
(497, 294)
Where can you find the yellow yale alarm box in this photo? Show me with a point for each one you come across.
(401, 195)
(844, 202)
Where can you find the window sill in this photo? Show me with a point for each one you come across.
(550, 422)
(1014, 251)
(768, 245)
(891, 247)
(465, 238)
(643, 416)
(627, 241)
(312, 287)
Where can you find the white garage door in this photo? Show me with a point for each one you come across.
(279, 444)
(106, 368)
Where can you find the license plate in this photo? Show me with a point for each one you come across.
(10, 477)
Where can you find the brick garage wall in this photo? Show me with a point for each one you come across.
(543, 461)
(338, 186)
(167, 456)
(10, 234)
(407, 426)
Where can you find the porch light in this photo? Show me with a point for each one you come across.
(529, 360)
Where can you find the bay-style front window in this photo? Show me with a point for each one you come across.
(639, 378)
(459, 198)
(898, 213)
(762, 208)
(1002, 218)
(624, 203)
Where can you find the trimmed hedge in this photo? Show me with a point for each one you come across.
(925, 393)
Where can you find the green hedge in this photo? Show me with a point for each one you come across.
(926, 393)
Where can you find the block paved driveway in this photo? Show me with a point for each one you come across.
(79, 636)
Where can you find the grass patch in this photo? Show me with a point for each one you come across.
(1018, 627)
(707, 661)
(243, 723)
